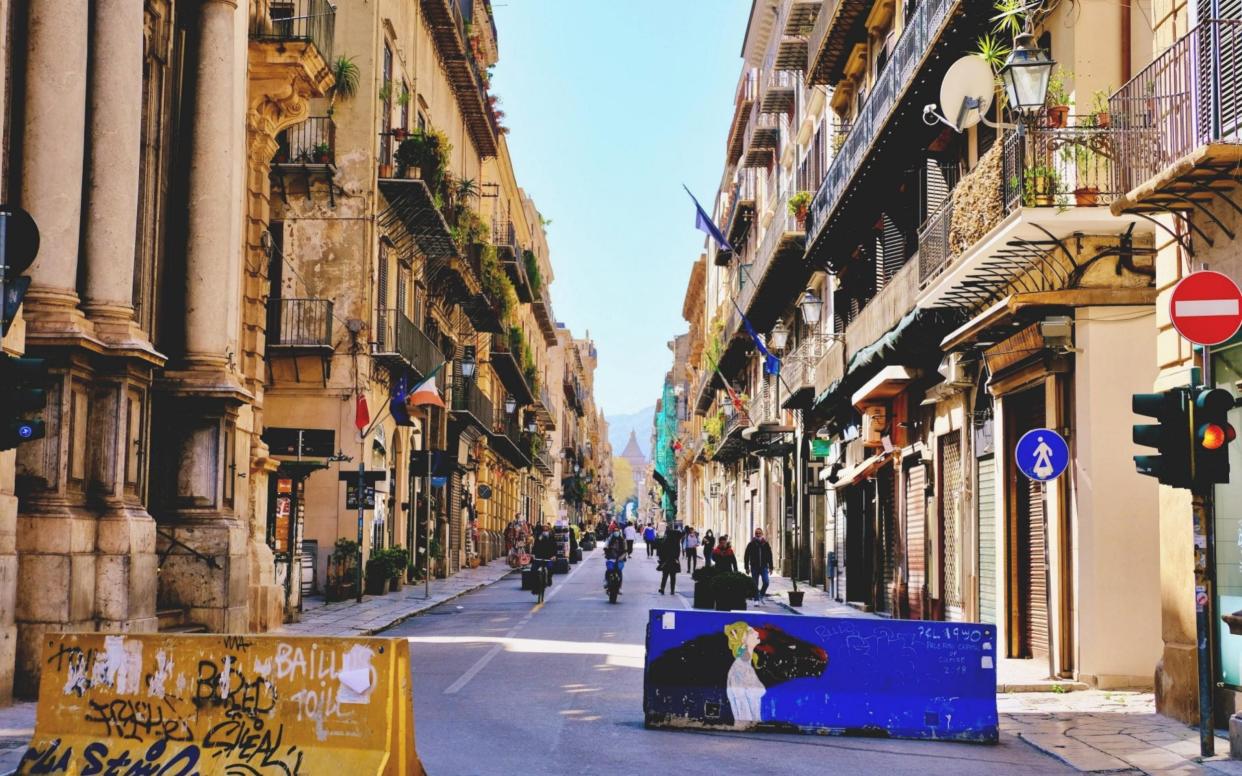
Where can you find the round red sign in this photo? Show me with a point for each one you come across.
(1206, 307)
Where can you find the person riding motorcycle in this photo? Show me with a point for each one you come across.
(544, 552)
(615, 551)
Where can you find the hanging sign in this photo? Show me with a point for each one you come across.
(1041, 454)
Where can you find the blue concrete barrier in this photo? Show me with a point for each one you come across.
(893, 678)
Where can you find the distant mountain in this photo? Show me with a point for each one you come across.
(620, 426)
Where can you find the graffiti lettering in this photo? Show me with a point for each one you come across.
(46, 760)
(151, 763)
(245, 740)
(238, 643)
(132, 720)
(229, 687)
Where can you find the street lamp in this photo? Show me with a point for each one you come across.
(778, 337)
(510, 404)
(811, 306)
(1025, 73)
(468, 362)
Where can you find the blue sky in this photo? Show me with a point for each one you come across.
(612, 105)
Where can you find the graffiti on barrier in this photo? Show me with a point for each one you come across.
(877, 677)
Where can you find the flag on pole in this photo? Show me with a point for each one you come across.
(771, 364)
(396, 402)
(362, 415)
(424, 394)
(703, 222)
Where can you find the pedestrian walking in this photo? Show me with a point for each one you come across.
(709, 546)
(691, 544)
(649, 538)
(670, 559)
(723, 555)
(758, 562)
(630, 535)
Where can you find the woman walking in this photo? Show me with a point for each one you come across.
(692, 549)
(709, 546)
(670, 559)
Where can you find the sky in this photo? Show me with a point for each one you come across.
(611, 106)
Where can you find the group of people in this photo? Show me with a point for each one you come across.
(676, 544)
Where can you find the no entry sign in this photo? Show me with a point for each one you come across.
(1206, 307)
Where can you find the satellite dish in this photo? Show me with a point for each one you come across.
(967, 91)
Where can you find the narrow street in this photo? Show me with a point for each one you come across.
(502, 686)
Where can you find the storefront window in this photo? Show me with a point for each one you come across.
(1226, 373)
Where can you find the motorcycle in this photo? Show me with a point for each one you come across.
(612, 579)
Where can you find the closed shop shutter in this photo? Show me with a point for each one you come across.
(1025, 536)
(887, 539)
(987, 539)
(950, 524)
(455, 524)
(916, 538)
(1038, 585)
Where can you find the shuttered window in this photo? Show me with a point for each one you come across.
(987, 539)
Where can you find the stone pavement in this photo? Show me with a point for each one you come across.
(375, 613)
(16, 728)
(1101, 731)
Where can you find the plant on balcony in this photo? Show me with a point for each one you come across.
(321, 153)
(533, 276)
(798, 205)
(467, 227)
(345, 79)
(1100, 117)
(385, 92)
(1040, 186)
(403, 97)
(496, 283)
(426, 150)
(1058, 102)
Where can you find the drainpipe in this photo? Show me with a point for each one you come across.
(1126, 43)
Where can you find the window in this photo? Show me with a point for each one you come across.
(405, 105)
(386, 122)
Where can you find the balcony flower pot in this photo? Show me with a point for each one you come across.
(1103, 120)
(1058, 116)
(282, 156)
(795, 597)
(385, 170)
(1087, 196)
(400, 133)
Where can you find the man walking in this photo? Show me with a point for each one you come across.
(630, 536)
(758, 562)
(649, 538)
(670, 559)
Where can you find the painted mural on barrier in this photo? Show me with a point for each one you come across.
(898, 678)
(164, 705)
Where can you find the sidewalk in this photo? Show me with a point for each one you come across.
(16, 729)
(375, 613)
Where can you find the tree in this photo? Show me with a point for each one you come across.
(622, 480)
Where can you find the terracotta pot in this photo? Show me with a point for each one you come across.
(1057, 115)
(385, 171)
(1103, 119)
(1087, 196)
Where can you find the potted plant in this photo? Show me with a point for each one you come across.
(799, 204)
(400, 133)
(1058, 102)
(342, 570)
(703, 577)
(321, 153)
(1039, 186)
(385, 169)
(398, 558)
(1100, 116)
(795, 597)
(730, 590)
(378, 572)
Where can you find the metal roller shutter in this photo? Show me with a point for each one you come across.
(987, 539)
(886, 498)
(1037, 606)
(950, 524)
(916, 538)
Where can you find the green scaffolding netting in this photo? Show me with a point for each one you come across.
(665, 457)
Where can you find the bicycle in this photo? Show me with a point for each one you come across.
(543, 579)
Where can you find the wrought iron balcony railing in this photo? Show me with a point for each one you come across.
(313, 141)
(1188, 97)
(299, 323)
(398, 339)
(297, 21)
(919, 35)
(470, 401)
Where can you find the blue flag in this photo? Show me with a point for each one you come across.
(396, 402)
(771, 364)
(703, 222)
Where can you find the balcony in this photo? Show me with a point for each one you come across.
(506, 439)
(542, 462)
(399, 344)
(544, 409)
(462, 276)
(743, 101)
(1032, 199)
(798, 370)
(471, 407)
(1182, 122)
(299, 326)
(506, 361)
(541, 306)
(305, 152)
(306, 22)
(778, 90)
(448, 30)
(831, 38)
(413, 221)
(797, 24)
(763, 139)
(504, 237)
(731, 445)
(893, 91)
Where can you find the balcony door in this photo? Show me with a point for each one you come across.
(1219, 103)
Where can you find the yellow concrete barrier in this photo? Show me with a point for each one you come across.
(165, 705)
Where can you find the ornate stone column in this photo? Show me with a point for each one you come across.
(52, 153)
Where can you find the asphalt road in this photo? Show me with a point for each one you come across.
(504, 687)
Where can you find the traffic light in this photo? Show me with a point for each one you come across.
(21, 393)
(1212, 436)
(1170, 435)
(19, 244)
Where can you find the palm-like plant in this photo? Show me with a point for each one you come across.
(345, 78)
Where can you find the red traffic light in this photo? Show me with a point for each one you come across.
(1213, 437)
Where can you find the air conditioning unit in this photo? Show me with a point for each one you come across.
(874, 425)
(957, 371)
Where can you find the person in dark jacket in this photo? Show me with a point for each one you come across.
(670, 559)
(723, 554)
(758, 561)
(709, 546)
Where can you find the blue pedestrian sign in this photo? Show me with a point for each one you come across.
(1041, 454)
